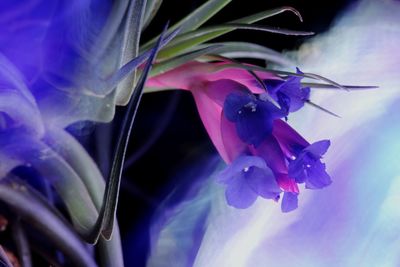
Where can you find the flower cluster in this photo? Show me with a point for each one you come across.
(265, 156)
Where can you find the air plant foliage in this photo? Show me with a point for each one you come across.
(70, 63)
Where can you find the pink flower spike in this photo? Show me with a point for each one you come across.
(209, 98)
(233, 146)
(185, 75)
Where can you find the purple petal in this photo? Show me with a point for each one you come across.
(234, 104)
(273, 86)
(253, 117)
(253, 128)
(317, 176)
(238, 194)
(297, 171)
(289, 93)
(289, 202)
(319, 148)
(263, 182)
(239, 165)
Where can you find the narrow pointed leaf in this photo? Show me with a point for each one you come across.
(250, 50)
(179, 60)
(267, 14)
(186, 44)
(82, 163)
(105, 222)
(321, 108)
(319, 77)
(190, 39)
(195, 19)
(32, 208)
(280, 72)
(329, 86)
(57, 171)
(130, 47)
(129, 67)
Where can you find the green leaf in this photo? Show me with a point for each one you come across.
(105, 221)
(321, 78)
(250, 50)
(330, 86)
(64, 179)
(152, 6)
(321, 108)
(280, 72)
(130, 47)
(194, 19)
(200, 36)
(131, 66)
(171, 63)
(267, 14)
(191, 39)
(82, 163)
(33, 209)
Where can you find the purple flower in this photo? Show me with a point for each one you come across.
(307, 166)
(247, 178)
(252, 116)
(246, 128)
(289, 93)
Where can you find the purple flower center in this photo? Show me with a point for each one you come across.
(308, 168)
(289, 94)
(252, 116)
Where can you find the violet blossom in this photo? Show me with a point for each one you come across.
(248, 131)
(289, 93)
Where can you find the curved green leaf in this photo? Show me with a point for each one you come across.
(33, 209)
(250, 50)
(82, 163)
(179, 60)
(130, 47)
(190, 39)
(203, 37)
(105, 221)
(152, 6)
(194, 19)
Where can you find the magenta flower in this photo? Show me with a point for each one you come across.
(265, 156)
